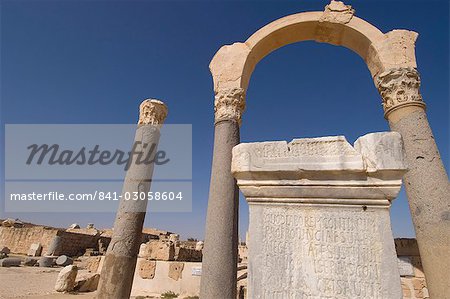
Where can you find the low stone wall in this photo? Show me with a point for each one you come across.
(157, 277)
(19, 240)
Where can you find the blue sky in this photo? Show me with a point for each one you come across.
(95, 61)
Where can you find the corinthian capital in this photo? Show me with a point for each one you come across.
(398, 88)
(229, 104)
(152, 112)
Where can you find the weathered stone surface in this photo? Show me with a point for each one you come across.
(74, 226)
(188, 255)
(142, 250)
(175, 270)
(35, 249)
(319, 216)
(93, 263)
(87, 282)
(427, 188)
(55, 247)
(12, 223)
(10, 262)
(64, 260)
(405, 266)
(398, 88)
(229, 105)
(29, 261)
(46, 261)
(147, 269)
(337, 12)
(406, 247)
(160, 250)
(382, 151)
(66, 279)
(102, 246)
(309, 154)
(418, 268)
(152, 112)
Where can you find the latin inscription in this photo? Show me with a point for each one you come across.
(319, 254)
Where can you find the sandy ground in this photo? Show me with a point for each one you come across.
(35, 283)
(32, 282)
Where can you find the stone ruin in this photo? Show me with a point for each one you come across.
(319, 216)
(391, 60)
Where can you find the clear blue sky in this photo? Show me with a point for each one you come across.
(94, 61)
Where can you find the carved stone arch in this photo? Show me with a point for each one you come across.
(233, 65)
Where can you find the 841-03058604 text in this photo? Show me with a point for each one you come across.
(99, 195)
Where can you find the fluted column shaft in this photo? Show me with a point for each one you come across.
(426, 182)
(220, 253)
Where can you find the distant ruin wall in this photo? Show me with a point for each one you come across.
(74, 244)
(19, 240)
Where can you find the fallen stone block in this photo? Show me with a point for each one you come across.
(10, 262)
(160, 250)
(87, 282)
(12, 223)
(35, 249)
(66, 279)
(74, 226)
(55, 246)
(30, 261)
(46, 261)
(64, 260)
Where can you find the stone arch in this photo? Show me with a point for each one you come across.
(390, 57)
(233, 65)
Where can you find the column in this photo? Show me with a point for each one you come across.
(426, 182)
(220, 255)
(319, 224)
(116, 278)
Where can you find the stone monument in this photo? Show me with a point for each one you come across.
(319, 216)
(390, 57)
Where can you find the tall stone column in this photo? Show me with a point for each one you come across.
(426, 182)
(116, 278)
(220, 255)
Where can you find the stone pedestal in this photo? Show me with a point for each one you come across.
(319, 216)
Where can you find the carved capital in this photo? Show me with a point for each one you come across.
(398, 88)
(229, 104)
(152, 112)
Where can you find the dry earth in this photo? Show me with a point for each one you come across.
(33, 282)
